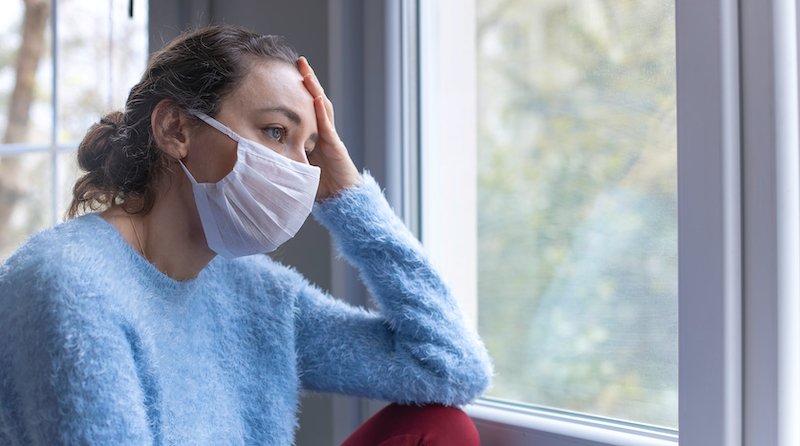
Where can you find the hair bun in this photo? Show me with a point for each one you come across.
(98, 142)
(109, 122)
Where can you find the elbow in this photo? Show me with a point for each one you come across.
(480, 380)
(471, 379)
(455, 375)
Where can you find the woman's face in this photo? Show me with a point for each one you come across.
(271, 106)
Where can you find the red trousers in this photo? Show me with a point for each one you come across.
(430, 425)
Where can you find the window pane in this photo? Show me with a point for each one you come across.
(25, 106)
(113, 44)
(25, 201)
(101, 54)
(68, 173)
(577, 204)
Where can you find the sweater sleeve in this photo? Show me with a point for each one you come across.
(67, 373)
(417, 348)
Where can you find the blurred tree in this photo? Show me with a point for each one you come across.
(36, 15)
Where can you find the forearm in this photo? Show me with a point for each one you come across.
(414, 299)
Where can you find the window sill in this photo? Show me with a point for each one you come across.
(500, 424)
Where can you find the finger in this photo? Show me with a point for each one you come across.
(314, 87)
(317, 92)
(326, 126)
(329, 109)
(303, 65)
(312, 84)
(310, 77)
(323, 121)
(304, 68)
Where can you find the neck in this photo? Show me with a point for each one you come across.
(171, 233)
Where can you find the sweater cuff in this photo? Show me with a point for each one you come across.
(359, 214)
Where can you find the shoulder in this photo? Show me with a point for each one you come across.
(67, 245)
(53, 265)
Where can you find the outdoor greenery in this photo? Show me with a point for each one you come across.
(577, 204)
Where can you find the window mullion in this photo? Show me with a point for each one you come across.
(54, 186)
(709, 240)
(771, 223)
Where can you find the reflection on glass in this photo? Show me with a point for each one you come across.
(578, 206)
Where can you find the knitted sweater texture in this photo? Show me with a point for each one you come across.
(97, 346)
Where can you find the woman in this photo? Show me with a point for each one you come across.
(149, 320)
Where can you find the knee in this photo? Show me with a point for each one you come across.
(441, 425)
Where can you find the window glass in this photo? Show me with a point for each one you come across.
(25, 202)
(68, 173)
(25, 73)
(577, 205)
(99, 61)
(101, 52)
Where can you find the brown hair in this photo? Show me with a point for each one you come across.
(195, 70)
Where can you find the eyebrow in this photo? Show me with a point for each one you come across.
(294, 117)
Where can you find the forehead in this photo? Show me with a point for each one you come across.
(274, 83)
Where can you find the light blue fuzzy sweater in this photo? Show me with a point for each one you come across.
(99, 347)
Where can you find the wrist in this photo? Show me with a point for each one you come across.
(332, 190)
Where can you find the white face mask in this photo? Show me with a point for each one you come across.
(260, 204)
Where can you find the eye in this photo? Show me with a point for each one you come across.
(275, 132)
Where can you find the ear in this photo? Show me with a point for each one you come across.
(171, 128)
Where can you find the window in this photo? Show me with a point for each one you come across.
(577, 201)
(712, 227)
(82, 57)
(575, 204)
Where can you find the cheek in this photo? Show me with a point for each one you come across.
(215, 156)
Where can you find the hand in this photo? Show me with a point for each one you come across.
(330, 154)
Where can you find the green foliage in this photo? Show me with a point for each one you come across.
(577, 204)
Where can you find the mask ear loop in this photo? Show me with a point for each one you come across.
(217, 125)
(188, 174)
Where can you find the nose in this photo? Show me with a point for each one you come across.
(297, 154)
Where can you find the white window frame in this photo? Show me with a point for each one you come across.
(739, 255)
(770, 222)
